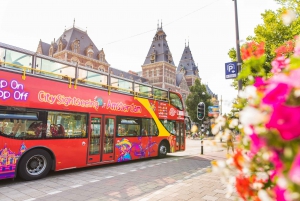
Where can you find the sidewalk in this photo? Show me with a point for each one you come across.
(200, 185)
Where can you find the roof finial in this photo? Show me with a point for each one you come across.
(74, 22)
(161, 24)
(65, 27)
(157, 24)
(188, 41)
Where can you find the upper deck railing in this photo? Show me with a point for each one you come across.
(20, 60)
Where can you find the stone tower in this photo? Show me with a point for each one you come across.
(159, 66)
(188, 67)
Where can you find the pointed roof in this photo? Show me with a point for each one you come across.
(67, 39)
(45, 47)
(187, 62)
(73, 34)
(159, 48)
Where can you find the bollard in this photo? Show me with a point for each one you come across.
(201, 146)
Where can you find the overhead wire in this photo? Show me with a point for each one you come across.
(167, 24)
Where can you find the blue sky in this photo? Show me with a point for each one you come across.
(124, 29)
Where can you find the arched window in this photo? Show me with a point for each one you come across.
(75, 60)
(89, 64)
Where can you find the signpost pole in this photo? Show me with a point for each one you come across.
(238, 54)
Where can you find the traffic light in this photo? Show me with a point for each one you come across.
(200, 110)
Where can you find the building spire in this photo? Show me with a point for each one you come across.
(188, 41)
(161, 24)
(74, 22)
(157, 24)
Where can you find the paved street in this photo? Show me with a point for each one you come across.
(180, 176)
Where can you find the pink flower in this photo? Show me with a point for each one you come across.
(294, 78)
(278, 64)
(256, 143)
(259, 82)
(276, 93)
(297, 51)
(279, 193)
(286, 120)
(294, 173)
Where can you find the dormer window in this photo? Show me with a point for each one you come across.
(51, 51)
(90, 53)
(101, 56)
(76, 46)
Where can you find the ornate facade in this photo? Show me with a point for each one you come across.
(75, 46)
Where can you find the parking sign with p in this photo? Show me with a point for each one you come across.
(231, 70)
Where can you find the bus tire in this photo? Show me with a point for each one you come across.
(162, 150)
(36, 164)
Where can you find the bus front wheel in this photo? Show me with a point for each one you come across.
(35, 165)
(162, 150)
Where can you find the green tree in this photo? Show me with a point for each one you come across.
(195, 97)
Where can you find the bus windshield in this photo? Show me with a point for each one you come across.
(176, 101)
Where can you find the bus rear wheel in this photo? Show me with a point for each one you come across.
(35, 165)
(162, 150)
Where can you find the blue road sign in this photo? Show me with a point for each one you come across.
(231, 70)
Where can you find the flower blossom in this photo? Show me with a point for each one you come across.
(278, 64)
(286, 120)
(285, 49)
(276, 94)
(297, 47)
(288, 16)
(256, 143)
(251, 116)
(252, 49)
(294, 173)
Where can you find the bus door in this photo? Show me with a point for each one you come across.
(179, 136)
(101, 138)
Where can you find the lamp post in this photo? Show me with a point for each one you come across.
(202, 130)
(238, 54)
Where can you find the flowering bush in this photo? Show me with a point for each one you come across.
(266, 163)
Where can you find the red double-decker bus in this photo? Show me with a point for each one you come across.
(56, 115)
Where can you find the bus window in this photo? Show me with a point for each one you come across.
(149, 128)
(22, 124)
(128, 127)
(170, 125)
(66, 125)
(175, 100)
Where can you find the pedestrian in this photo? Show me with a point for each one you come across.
(230, 142)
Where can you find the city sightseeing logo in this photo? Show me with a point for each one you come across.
(60, 99)
(172, 112)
